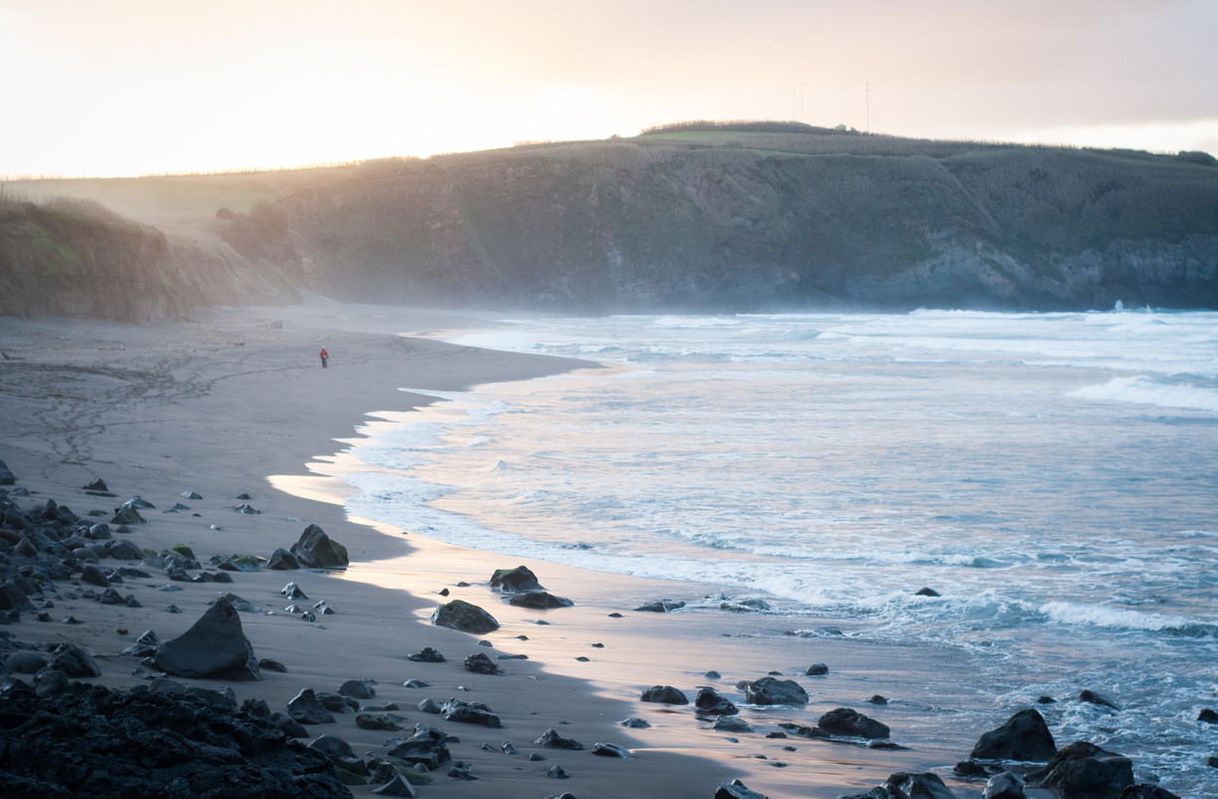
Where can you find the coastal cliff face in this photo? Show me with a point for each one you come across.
(70, 258)
(717, 220)
(751, 221)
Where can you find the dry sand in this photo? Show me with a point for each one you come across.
(236, 402)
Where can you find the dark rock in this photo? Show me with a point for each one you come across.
(316, 550)
(415, 684)
(461, 771)
(215, 646)
(24, 662)
(111, 597)
(191, 495)
(306, 708)
(552, 740)
(713, 675)
(609, 750)
(124, 550)
(711, 701)
(1092, 698)
(660, 606)
(927, 592)
(1147, 791)
(876, 699)
(292, 591)
(919, 786)
(98, 485)
(816, 670)
(967, 768)
(336, 703)
(1084, 771)
(461, 615)
(376, 721)
(615, 615)
(150, 743)
(804, 731)
(14, 597)
(127, 515)
(481, 664)
(1006, 785)
(1208, 715)
(557, 773)
(396, 786)
(1024, 737)
(731, 724)
(769, 691)
(664, 694)
(444, 592)
(736, 790)
(271, 665)
(332, 746)
(247, 509)
(428, 706)
(635, 723)
(426, 655)
(93, 576)
(7, 478)
(511, 581)
(851, 723)
(74, 661)
(470, 713)
(243, 496)
(358, 689)
(1045, 700)
(539, 600)
(282, 560)
(427, 747)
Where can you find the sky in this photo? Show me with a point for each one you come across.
(129, 87)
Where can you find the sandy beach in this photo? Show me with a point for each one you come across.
(236, 402)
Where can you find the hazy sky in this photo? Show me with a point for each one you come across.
(121, 87)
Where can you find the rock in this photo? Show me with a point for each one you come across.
(804, 731)
(13, 597)
(660, 606)
(247, 509)
(426, 747)
(415, 684)
(919, 786)
(282, 560)
(1091, 697)
(243, 495)
(461, 771)
(396, 786)
(609, 750)
(306, 708)
(126, 515)
(316, 550)
(1024, 737)
(927, 592)
(1146, 791)
(292, 591)
(1208, 715)
(552, 740)
(616, 615)
(465, 617)
(731, 724)
(376, 721)
(816, 670)
(519, 579)
(74, 661)
(358, 689)
(98, 485)
(664, 694)
(539, 600)
(711, 701)
(188, 494)
(332, 746)
(426, 655)
(876, 699)
(736, 790)
(336, 703)
(481, 664)
(769, 691)
(967, 768)
(635, 723)
(271, 665)
(1084, 771)
(428, 706)
(93, 576)
(239, 603)
(124, 550)
(24, 662)
(557, 773)
(851, 723)
(215, 646)
(470, 713)
(7, 478)
(1045, 700)
(1007, 785)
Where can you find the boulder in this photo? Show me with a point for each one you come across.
(316, 550)
(539, 600)
(24, 662)
(927, 592)
(552, 740)
(851, 723)
(711, 701)
(124, 550)
(74, 661)
(1024, 736)
(93, 576)
(215, 646)
(98, 485)
(1208, 715)
(426, 655)
(306, 708)
(426, 747)
(376, 721)
(1007, 785)
(919, 786)
(517, 580)
(736, 790)
(395, 787)
(1092, 698)
(480, 664)
(1147, 791)
(1084, 771)
(635, 723)
(769, 691)
(464, 616)
(470, 713)
(665, 695)
(282, 560)
(661, 606)
(358, 689)
(13, 597)
(731, 724)
(7, 478)
(816, 670)
(293, 591)
(127, 515)
(609, 750)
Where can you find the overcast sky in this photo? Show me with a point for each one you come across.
(123, 87)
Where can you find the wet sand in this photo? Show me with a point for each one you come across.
(236, 402)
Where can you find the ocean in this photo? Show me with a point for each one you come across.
(1054, 477)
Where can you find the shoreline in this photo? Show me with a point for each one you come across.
(174, 384)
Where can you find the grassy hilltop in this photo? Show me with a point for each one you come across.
(713, 217)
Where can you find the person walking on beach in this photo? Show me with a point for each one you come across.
(325, 356)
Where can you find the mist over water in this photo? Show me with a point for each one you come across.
(1054, 476)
